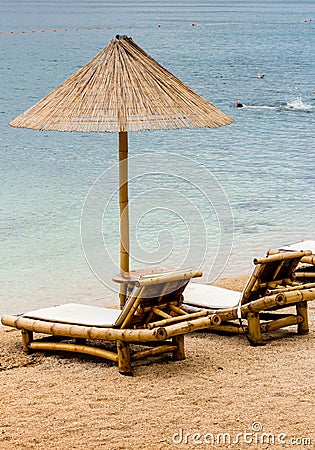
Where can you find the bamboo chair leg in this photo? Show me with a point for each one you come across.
(124, 360)
(179, 353)
(254, 330)
(301, 309)
(27, 338)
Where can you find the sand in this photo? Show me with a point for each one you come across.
(226, 394)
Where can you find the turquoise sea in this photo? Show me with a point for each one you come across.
(214, 198)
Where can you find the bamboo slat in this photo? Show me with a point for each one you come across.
(233, 328)
(161, 313)
(153, 352)
(61, 346)
(253, 283)
(168, 321)
(177, 310)
(167, 277)
(294, 287)
(193, 325)
(135, 304)
(308, 259)
(280, 323)
(279, 256)
(304, 275)
(277, 283)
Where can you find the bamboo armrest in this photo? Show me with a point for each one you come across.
(133, 276)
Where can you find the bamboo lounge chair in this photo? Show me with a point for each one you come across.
(152, 316)
(270, 289)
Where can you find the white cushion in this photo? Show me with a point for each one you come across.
(301, 246)
(77, 314)
(212, 297)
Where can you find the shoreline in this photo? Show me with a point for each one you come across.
(223, 386)
(92, 292)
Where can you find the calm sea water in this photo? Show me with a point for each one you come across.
(259, 170)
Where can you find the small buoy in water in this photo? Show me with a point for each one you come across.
(261, 75)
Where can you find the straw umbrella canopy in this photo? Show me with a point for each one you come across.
(122, 89)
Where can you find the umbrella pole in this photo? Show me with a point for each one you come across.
(124, 213)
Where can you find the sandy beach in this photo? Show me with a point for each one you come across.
(226, 394)
(91, 90)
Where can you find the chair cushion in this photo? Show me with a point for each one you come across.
(212, 297)
(77, 314)
(301, 246)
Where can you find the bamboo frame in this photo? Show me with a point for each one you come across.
(172, 276)
(139, 325)
(75, 348)
(253, 313)
(123, 358)
(276, 324)
(182, 318)
(270, 289)
(124, 213)
(179, 352)
(155, 351)
(77, 331)
(254, 328)
(231, 327)
(123, 338)
(304, 275)
(274, 271)
(306, 270)
(301, 311)
(281, 256)
(310, 259)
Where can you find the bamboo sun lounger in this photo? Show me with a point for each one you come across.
(271, 288)
(152, 318)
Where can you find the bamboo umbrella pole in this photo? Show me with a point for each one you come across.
(124, 212)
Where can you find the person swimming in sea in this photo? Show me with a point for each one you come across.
(296, 104)
(241, 105)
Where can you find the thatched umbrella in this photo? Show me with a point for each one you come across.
(122, 89)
